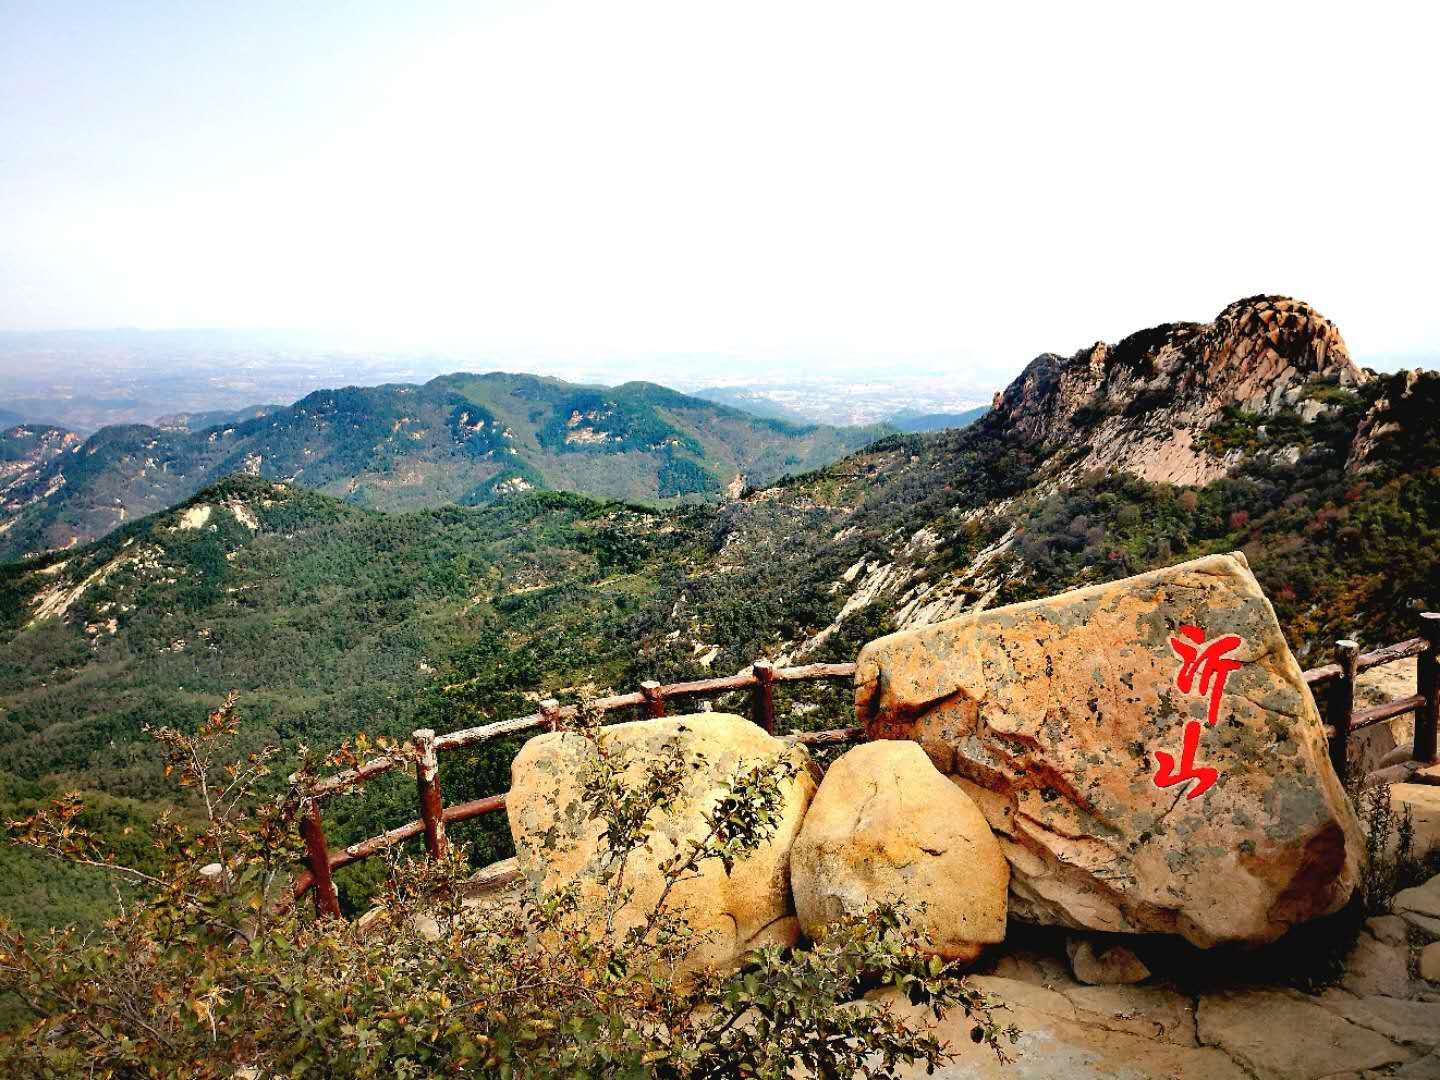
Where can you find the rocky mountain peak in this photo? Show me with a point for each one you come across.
(1142, 403)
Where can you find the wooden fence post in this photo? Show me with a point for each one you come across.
(550, 714)
(654, 699)
(427, 784)
(1427, 680)
(1341, 704)
(317, 856)
(764, 699)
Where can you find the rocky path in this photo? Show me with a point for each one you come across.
(1378, 1018)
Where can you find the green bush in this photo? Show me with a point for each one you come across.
(204, 975)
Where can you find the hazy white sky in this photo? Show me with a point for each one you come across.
(885, 184)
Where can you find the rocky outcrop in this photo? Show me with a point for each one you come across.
(1429, 965)
(1142, 405)
(1208, 1015)
(1283, 1034)
(1130, 1032)
(1389, 743)
(1268, 381)
(1145, 750)
(31, 446)
(885, 827)
(558, 842)
(1397, 425)
(26, 451)
(1419, 906)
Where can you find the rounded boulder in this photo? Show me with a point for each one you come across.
(886, 827)
(560, 840)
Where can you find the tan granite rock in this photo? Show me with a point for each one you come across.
(1375, 965)
(1068, 720)
(1284, 1035)
(1430, 962)
(557, 842)
(1097, 963)
(1423, 802)
(1138, 1010)
(885, 827)
(1420, 906)
(1062, 1039)
(1414, 1023)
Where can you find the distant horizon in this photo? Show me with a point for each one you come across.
(100, 377)
(797, 184)
(520, 360)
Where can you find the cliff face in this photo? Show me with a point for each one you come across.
(1141, 405)
(1395, 427)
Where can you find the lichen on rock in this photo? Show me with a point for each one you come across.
(886, 828)
(559, 839)
(1070, 722)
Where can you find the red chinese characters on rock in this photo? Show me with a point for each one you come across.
(1206, 662)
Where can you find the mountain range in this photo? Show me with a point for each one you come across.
(464, 439)
(1254, 432)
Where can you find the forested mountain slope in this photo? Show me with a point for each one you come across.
(202, 421)
(330, 618)
(464, 439)
(26, 447)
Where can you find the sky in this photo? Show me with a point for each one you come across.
(776, 185)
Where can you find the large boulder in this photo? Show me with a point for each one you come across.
(558, 842)
(1145, 749)
(886, 827)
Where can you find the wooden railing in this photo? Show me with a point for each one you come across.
(426, 747)
(1333, 685)
(1338, 698)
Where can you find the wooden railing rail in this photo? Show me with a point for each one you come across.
(455, 740)
(1365, 661)
(1336, 679)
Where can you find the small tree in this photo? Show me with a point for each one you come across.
(211, 973)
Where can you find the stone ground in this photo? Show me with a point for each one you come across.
(1297, 1009)
(1301, 1008)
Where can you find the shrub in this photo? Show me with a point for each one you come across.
(1389, 863)
(212, 975)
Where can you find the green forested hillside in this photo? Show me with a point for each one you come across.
(463, 439)
(643, 441)
(201, 421)
(23, 443)
(329, 620)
